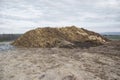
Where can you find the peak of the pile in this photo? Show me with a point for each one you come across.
(69, 36)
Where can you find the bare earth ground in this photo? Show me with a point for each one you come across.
(95, 63)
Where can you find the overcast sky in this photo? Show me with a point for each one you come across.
(19, 16)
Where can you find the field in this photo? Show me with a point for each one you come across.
(8, 37)
(94, 63)
(113, 37)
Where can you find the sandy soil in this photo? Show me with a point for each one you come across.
(95, 63)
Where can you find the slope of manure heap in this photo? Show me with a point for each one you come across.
(70, 36)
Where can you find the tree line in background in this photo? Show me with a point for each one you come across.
(9, 37)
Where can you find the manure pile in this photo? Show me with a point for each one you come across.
(70, 36)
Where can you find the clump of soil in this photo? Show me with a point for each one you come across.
(70, 36)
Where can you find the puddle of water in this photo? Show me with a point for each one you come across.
(4, 46)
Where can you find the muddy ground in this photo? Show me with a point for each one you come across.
(94, 63)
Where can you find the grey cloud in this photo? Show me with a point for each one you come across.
(89, 13)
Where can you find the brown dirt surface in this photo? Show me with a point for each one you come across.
(94, 63)
(70, 36)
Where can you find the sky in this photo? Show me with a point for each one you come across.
(19, 16)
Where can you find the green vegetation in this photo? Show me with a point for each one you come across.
(8, 37)
(2, 40)
(113, 37)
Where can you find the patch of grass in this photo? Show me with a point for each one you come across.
(1, 40)
(113, 37)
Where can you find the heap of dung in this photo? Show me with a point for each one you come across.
(63, 37)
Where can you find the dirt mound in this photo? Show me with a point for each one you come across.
(59, 37)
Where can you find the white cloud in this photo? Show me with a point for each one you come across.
(22, 15)
(109, 3)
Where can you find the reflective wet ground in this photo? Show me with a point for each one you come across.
(4, 46)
